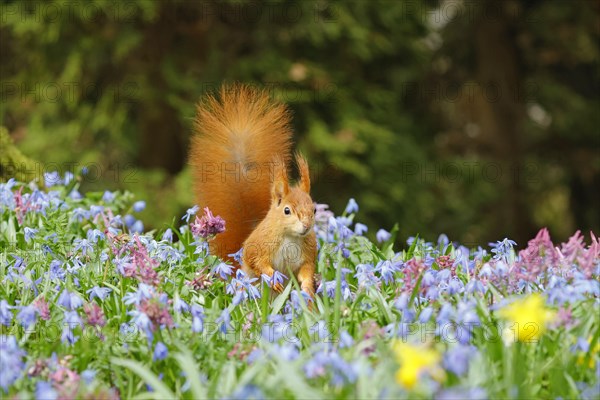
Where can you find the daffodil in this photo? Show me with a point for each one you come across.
(415, 360)
(529, 317)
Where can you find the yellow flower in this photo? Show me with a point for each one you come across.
(415, 360)
(593, 353)
(529, 317)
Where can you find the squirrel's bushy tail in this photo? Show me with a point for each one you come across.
(237, 137)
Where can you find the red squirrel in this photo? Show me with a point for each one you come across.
(240, 154)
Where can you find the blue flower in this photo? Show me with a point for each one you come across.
(365, 275)
(71, 321)
(93, 235)
(138, 227)
(56, 270)
(190, 213)
(69, 300)
(68, 177)
(359, 228)
(6, 315)
(27, 316)
(75, 195)
(383, 236)
(45, 390)
(180, 306)
(52, 178)
(502, 249)
(387, 269)
(224, 321)
(248, 391)
(456, 360)
(139, 206)
(88, 376)
(100, 292)
(224, 270)
(168, 235)
(352, 207)
(197, 318)
(425, 315)
(83, 245)
(108, 197)
(129, 220)
(160, 352)
(29, 233)
(346, 340)
(12, 365)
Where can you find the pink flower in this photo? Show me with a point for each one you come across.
(94, 314)
(208, 225)
(42, 307)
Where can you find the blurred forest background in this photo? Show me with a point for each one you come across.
(478, 119)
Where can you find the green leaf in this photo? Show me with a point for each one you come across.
(280, 300)
(188, 365)
(161, 391)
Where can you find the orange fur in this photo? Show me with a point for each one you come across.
(236, 139)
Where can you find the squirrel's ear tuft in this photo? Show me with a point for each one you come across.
(304, 173)
(280, 187)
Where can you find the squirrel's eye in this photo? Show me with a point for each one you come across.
(287, 211)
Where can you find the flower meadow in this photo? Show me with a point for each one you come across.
(92, 306)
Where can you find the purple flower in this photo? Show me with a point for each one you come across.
(383, 235)
(94, 315)
(160, 352)
(208, 225)
(139, 206)
(99, 292)
(352, 207)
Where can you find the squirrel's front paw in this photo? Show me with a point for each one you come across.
(278, 287)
